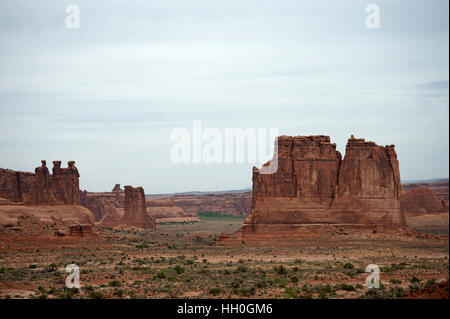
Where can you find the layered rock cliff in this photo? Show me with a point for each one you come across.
(439, 188)
(42, 188)
(14, 185)
(313, 185)
(36, 201)
(101, 204)
(421, 201)
(134, 212)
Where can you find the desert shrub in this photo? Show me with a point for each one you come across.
(242, 268)
(347, 287)
(323, 289)
(52, 291)
(188, 262)
(414, 279)
(68, 293)
(17, 274)
(50, 268)
(261, 284)
(398, 292)
(96, 295)
(280, 270)
(395, 281)
(161, 274)
(246, 291)
(215, 291)
(430, 282)
(349, 266)
(204, 271)
(178, 269)
(115, 283)
(236, 283)
(119, 293)
(393, 267)
(290, 292)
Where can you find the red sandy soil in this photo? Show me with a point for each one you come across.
(436, 291)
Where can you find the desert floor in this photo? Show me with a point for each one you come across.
(187, 260)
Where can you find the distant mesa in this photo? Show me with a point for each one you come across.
(315, 186)
(167, 211)
(422, 201)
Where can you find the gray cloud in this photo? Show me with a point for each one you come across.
(109, 94)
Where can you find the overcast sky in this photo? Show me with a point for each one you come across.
(108, 94)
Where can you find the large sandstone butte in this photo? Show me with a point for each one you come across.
(421, 201)
(134, 212)
(36, 201)
(42, 188)
(313, 185)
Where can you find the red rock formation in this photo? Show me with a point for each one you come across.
(117, 188)
(82, 231)
(421, 201)
(439, 188)
(45, 197)
(134, 213)
(111, 219)
(135, 209)
(313, 185)
(42, 188)
(101, 204)
(66, 184)
(15, 185)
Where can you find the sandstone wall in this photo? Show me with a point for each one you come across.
(439, 188)
(421, 201)
(134, 212)
(313, 185)
(42, 188)
(101, 204)
(15, 185)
